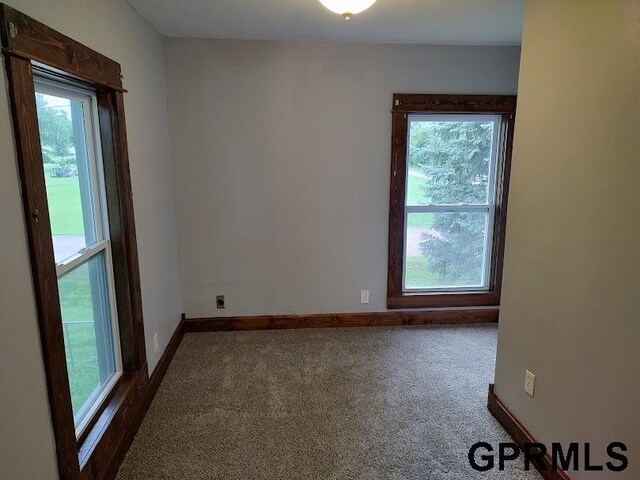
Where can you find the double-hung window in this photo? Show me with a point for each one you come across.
(67, 105)
(77, 208)
(450, 164)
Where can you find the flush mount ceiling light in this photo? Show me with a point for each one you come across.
(347, 8)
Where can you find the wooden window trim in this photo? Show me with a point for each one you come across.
(27, 45)
(403, 105)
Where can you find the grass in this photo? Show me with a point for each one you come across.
(80, 338)
(65, 209)
(420, 220)
(417, 182)
(417, 274)
(416, 196)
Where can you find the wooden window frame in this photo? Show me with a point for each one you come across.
(30, 46)
(403, 106)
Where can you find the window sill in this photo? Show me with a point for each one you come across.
(484, 298)
(101, 441)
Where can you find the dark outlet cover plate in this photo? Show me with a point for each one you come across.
(220, 301)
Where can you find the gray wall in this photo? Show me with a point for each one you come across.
(570, 310)
(281, 156)
(114, 29)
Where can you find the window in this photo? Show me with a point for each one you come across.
(450, 164)
(82, 249)
(67, 105)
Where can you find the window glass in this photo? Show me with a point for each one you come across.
(88, 336)
(449, 162)
(63, 141)
(445, 249)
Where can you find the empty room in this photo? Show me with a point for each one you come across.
(320, 239)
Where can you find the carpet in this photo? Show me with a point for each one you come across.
(398, 403)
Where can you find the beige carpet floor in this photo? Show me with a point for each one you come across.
(354, 403)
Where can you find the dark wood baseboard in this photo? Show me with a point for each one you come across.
(521, 435)
(359, 319)
(163, 364)
(148, 394)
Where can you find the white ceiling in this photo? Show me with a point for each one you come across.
(394, 21)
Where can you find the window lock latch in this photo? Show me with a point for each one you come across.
(13, 30)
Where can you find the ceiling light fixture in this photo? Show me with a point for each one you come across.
(347, 8)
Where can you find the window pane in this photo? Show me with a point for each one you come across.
(67, 176)
(445, 250)
(88, 336)
(448, 161)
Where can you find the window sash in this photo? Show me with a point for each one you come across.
(489, 209)
(83, 256)
(92, 139)
(463, 207)
(470, 118)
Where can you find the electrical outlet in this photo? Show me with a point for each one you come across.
(155, 342)
(364, 296)
(220, 301)
(529, 383)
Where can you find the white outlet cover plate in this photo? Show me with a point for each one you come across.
(529, 383)
(364, 296)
